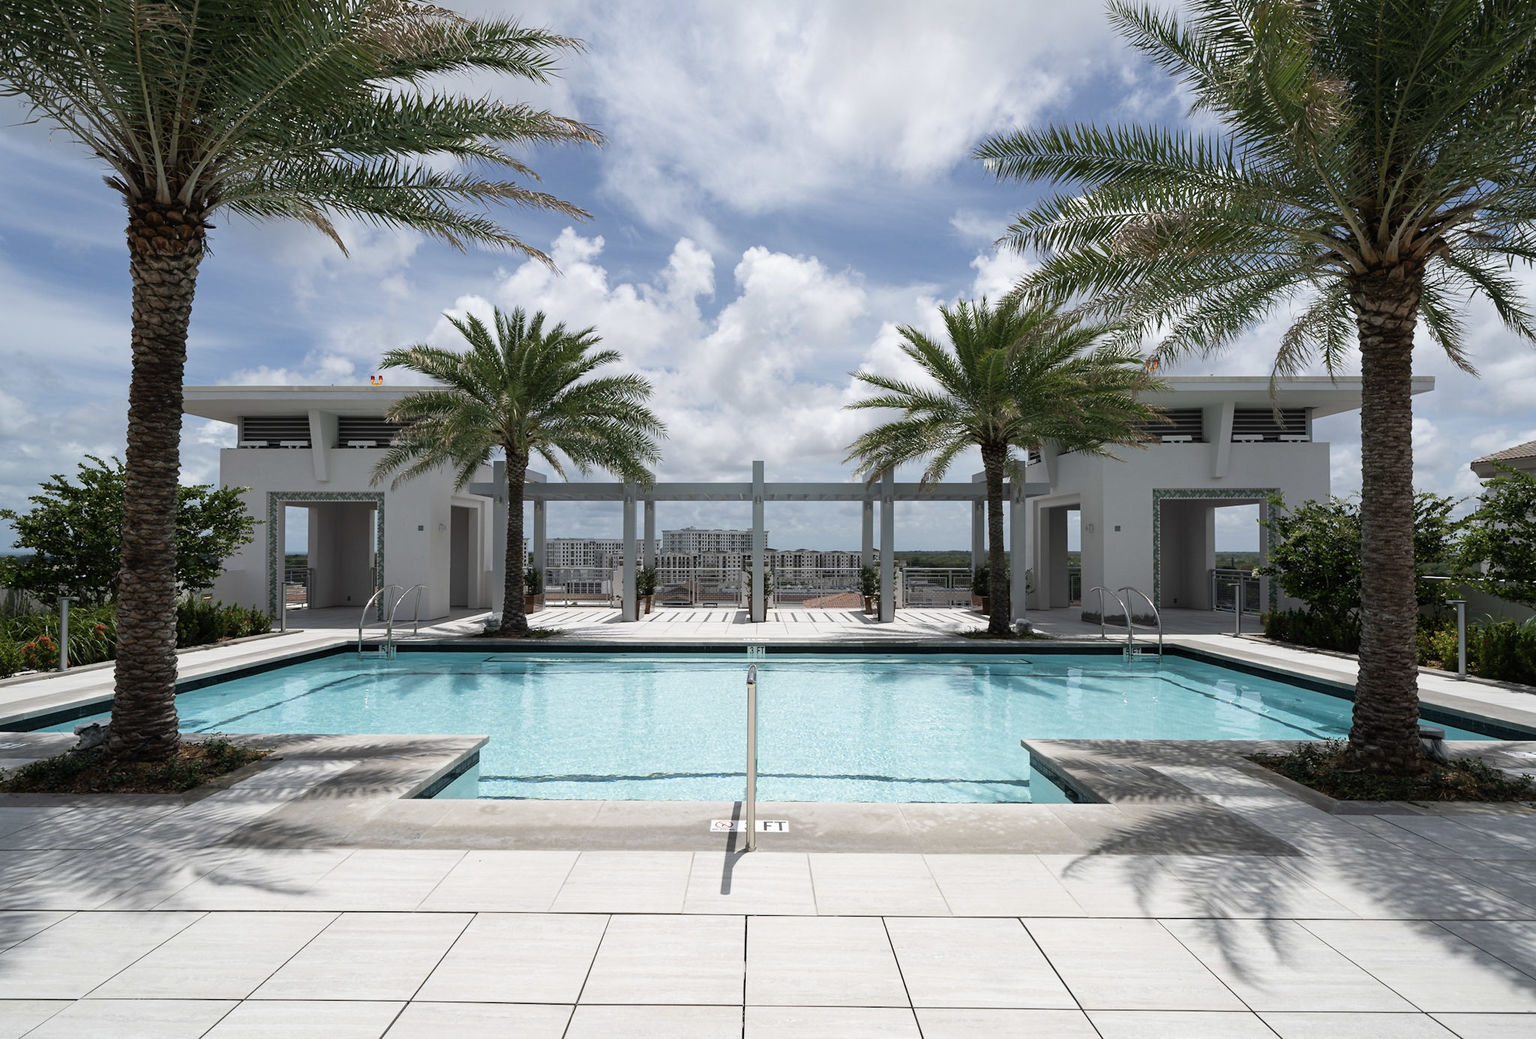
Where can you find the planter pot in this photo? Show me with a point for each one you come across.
(646, 602)
(533, 603)
(869, 604)
(981, 603)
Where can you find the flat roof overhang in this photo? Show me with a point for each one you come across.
(1325, 396)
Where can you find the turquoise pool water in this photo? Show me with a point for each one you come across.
(830, 727)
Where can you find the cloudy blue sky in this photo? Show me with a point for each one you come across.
(784, 183)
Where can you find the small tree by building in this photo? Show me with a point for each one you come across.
(74, 532)
(1502, 538)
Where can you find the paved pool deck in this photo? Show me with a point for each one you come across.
(315, 898)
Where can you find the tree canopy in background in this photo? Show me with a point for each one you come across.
(74, 531)
(1503, 537)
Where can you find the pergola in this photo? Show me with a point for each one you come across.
(540, 491)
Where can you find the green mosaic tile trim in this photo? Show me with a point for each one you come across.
(281, 499)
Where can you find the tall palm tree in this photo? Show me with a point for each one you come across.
(1011, 378)
(1369, 166)
(313, 110)
(522, 389)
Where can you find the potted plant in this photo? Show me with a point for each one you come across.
(981, 590)
(533, 587)
(869, 586)
(645, 587)
(767, 588)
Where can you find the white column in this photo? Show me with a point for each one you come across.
(540, 553)
(631, 601)
(499, 537)
(1018, 563)
(978, 527)
(759, 605)
(887, 548)
(648, 550)
(869, 533)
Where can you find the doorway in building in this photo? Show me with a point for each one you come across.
(1207, 549)
(461, 541)
(1058, 570)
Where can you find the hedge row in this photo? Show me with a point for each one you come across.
(30, 641)
(1500, 650)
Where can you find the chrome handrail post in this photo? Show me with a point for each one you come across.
(751, 802)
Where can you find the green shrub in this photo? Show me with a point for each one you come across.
(1311, 628)
(10, 658)
(1504, 651)
(201, 621)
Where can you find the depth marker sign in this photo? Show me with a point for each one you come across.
(740, 826)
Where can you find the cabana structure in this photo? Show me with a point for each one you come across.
(1146, 517)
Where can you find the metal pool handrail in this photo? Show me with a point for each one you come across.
(363, 621)
(1130, 623)
(1103, 592)
(415, 613)
(751, 803)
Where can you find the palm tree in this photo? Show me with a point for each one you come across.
(1369, 167)
(521, 389)
(1010, 378)
(314, 111)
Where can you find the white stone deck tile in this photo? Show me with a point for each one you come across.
(175, 871)
(14, 818)
(1178, 1024)
(384, 879)
(20, 1016)
(1489, 1026)
(502, 882)
(694, 960)
(626, 882)
(18, 926)
(307, 1019)
(821, 961)
(830, 1023)
(974, 963)
(75, 955)
(1513, 941)
(1000, 885)
(1280, 965)
(112, 821)
(221, 956)
(1189, 886)
(522, 958)
(877, 885)
(760, 884)
(655, 1022)
(134, 1019)
(1004, 1024)
(1429, 966)
(1514, 879)
(261, 878)
(1129, 965)
(1296, 1025)
(376, 956)
(69, 880)
(1467, 837)
(1401, 886)
(421, 1020)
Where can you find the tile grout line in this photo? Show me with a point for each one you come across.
(202, 916)
(891, 944)
(1361, 967)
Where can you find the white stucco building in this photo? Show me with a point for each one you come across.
(315, 447)
(1146, 517)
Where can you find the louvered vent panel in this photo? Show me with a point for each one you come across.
(1252, 424)
(1183, 423)
(356, 430)
(274, 431)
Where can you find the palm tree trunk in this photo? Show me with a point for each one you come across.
(993, 459)
(514, 619)
(165, 247)
(1384, 737)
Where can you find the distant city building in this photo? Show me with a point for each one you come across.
(693, 541)
(583, 552)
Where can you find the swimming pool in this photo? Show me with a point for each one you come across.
(831, 727)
